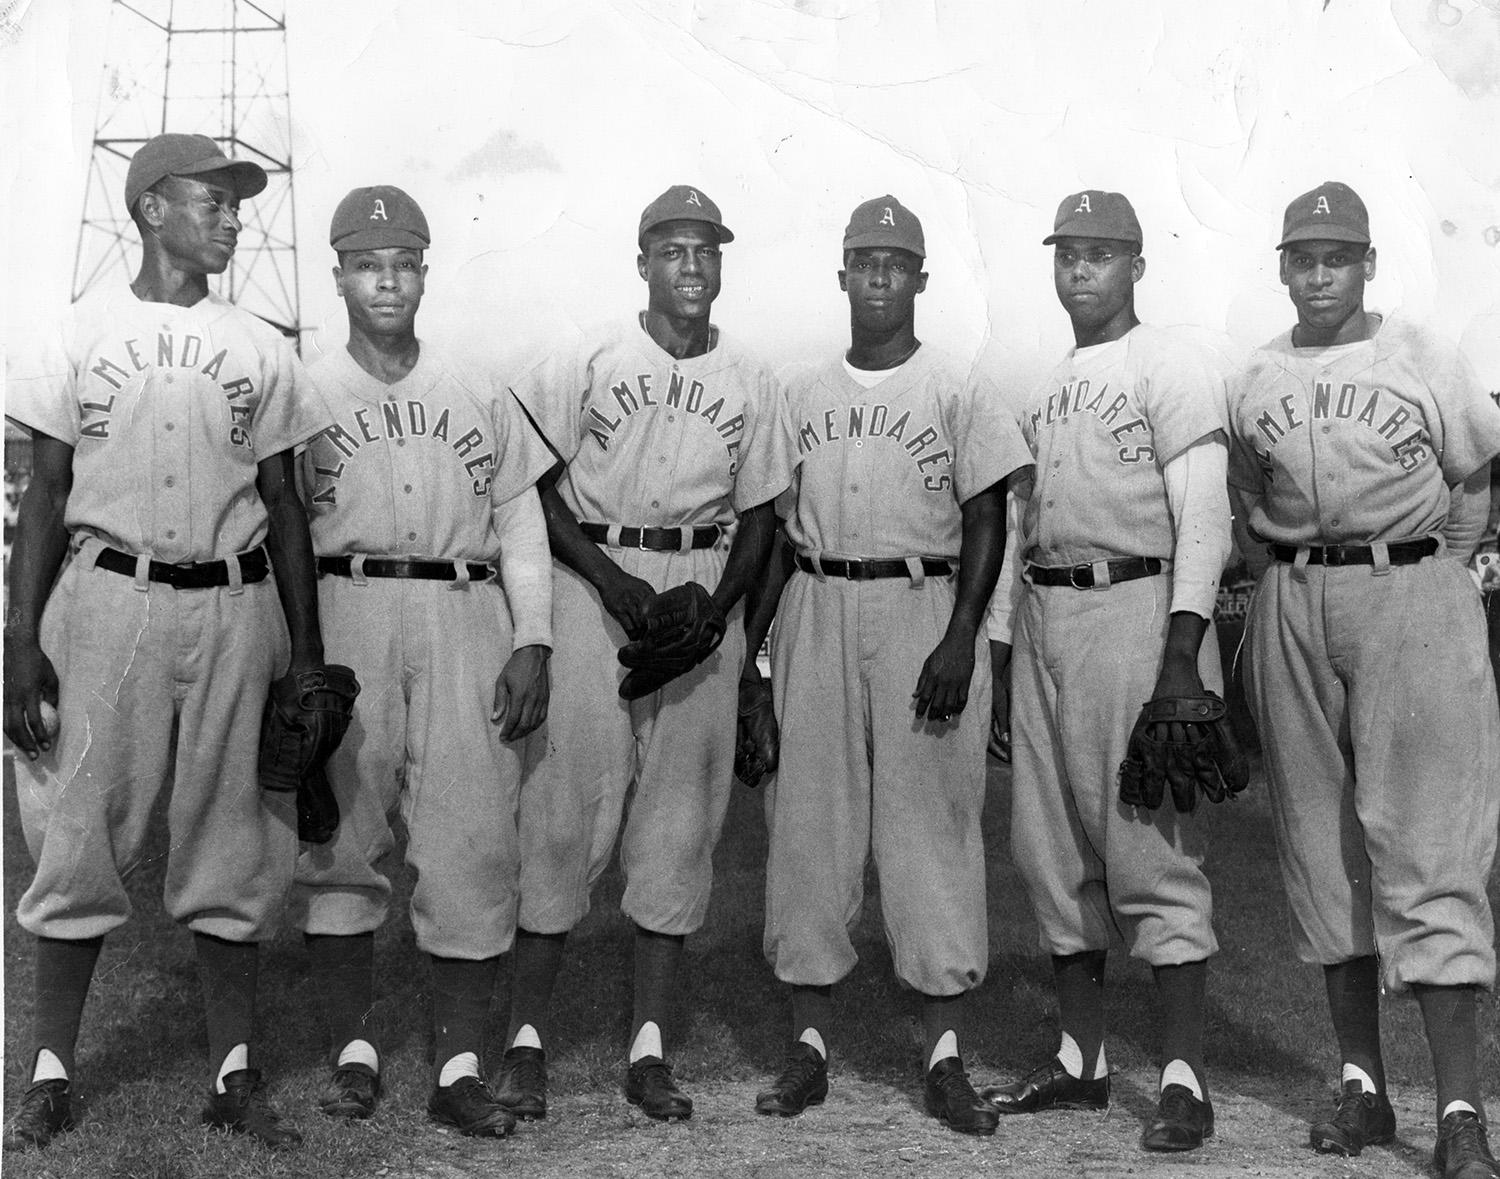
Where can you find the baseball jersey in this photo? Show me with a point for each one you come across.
(882, 471)
(655, 441)
(169, 410)
(1358, 443)
(415, 468)
(1101, 428)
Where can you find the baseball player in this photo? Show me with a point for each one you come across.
(669, 436)
(897, 518)
(1125, 533)
(1362, 453)
(163, 430)
(435, 587)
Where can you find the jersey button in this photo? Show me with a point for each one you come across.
(411, 536)
(408, 488)
(171, 426)
(170, 482)
(400, 441)
(171, 534)
(854, 487)
(656, 503)
(1327, 429)
(671, 417)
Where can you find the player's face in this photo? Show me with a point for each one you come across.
(681, 266)
(1095, 279)
(1326, 281)
(381, 289)
(883, 285)
(199, 221)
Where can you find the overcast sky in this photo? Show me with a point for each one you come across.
(534, 132)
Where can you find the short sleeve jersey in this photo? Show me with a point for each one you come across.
(652, 440)
(169, 410)
(416, 468)
(883, 472)
(1358, 443)
(1102, 427)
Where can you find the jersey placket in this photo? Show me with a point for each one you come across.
(403, 478)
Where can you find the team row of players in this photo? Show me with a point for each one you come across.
(662, 453)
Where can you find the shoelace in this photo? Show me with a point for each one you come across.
(799, 1070)
(530, 1073)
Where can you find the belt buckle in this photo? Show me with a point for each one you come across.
(1073, 577)
(640, 538)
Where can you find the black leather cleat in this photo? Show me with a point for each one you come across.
(649, 1085)
(1359, 1120)
(803, 1082)
(950, 1098)
(351, 1092)
(1049, 1086)
(469, 1105)
(522, 1086)
(1463, 1149)
(46, 1110)
(1182, 1121)
(243, 1109)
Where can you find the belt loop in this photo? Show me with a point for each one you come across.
(612, 536)
(684, 537)
(1299, 564)
(88, 552)
(1380, 558)
(143, 572)
(817, 566)
(460, 576)
(235, 573)
(357, 569)
(1101, 574)
(915, 571)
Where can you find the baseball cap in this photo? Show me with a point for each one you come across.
(1331, 212)
(175, 154)
(376, 218)
(1095, 213)
(682, 202)
(885, 221)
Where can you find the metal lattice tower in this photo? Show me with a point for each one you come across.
(208, 67)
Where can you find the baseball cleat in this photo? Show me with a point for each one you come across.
(950, 1098)
(469, 1105)
(46, 1111)
(1359, 1120)
(243, 1109)
(522, 1086)
(351, 1092)
(803, 1082)
(1463, 1149)
(649, 1085)
(1182, 1121)
(1049, 1086)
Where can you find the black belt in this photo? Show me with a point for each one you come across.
(1406, 552)
(399, 567)
(659, 540)
(856, 570)
(1082, 576)
(202, 575)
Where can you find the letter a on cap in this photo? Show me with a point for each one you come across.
(1322, 206)
(692, 198)
(379, 213)
(888, 218)
(1083, 204)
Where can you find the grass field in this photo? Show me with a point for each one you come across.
(142, 1072)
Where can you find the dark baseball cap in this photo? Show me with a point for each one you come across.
(885, 221)
(175, 154)
(1096, 213)
(376, 218)
(682, 202)
(1332, 212)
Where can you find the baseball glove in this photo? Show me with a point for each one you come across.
(757, 742)
(1206, 759)
(306, 717)
(684, 626)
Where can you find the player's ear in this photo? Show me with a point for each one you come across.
(1281, 269)
(422, 280)
(1137, 267)
(338, 281)
(640, 265)
(1370, 264)
(153, 208)
(843, 280)
(921, 281)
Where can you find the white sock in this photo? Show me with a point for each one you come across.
(813, 1040)
(1101, 1066)
(360, 1052)
(1352, 1072)
(465, 1064)
(647, 1041)
(1178, 1072)
(946, 1046)
(526, 1037)
(1457, 1105)
(48, 1067)
(238, 1058)
(1070, 1055)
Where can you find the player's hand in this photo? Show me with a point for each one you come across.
(522, 692)
(999, 744)
(757, 738)
(1178, 677)
(626, 599)
(943, 687)
(30, 679)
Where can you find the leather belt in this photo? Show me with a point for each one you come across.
(857, 570)
(400, 567)
(200, 575)
(1082, 576)
(658, 540)
(1406, 552)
